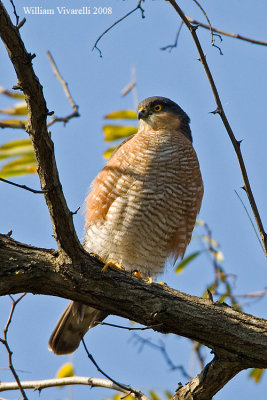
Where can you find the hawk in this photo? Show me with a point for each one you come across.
(142, 207)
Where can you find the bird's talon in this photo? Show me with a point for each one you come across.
(112, 264)
(98, 257)
(148, 280)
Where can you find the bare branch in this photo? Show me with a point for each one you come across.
(64, 84)
(233, 35)
(162, 348)
(172, 46)
(208, 21)
(126, 389)
(15, 12)
(22, 186)
(138, 7)
(4, 341)
(128, 328)
(74, 380)
(219, 110)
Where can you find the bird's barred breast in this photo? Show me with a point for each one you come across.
(142, 202)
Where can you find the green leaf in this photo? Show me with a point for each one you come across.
(168, 394)
(10, 93)
(16, 148)
(186, 261)
(18, 109)
(13, 122)
(115, 132)
(256, 374)
(20, 166)
(122, 114)
(154, 395)
(109, 151)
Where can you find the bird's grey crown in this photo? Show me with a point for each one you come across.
(170, 106)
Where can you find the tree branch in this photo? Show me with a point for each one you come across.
(205, 385)
(218, 326)
(74, 380)
(219, 110)
(232, 35)
(43, 146)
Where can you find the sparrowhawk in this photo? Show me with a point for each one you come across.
(142, 207)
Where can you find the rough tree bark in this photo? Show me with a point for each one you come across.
(238, 340)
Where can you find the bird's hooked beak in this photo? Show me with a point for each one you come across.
(142, 113)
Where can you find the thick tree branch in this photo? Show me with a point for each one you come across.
(36, 127)
(213, 377)
(226, 331)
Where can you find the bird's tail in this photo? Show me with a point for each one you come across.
(72, 326)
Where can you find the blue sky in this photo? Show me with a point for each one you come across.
(96, 83)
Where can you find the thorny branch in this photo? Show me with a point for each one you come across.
(73, 380)
(219, 110)
(4, 341)
(138, 7)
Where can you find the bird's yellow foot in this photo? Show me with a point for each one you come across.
(112, 264)
(148, 279)
(98, 257)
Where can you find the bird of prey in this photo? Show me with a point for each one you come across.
(142, 207)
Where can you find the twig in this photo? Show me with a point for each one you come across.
(233, 35)
(219, 110)
(117, 22)
(5, 343)
(253, 295)
(125, 388)
(127, 327)
(73, 380)
(207, 18)
(65, 87)
(15, 12)
(23, 186)
(162, 348)
(250, 219)
(171, 46)
(63, 119)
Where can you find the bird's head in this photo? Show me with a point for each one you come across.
(161, 113)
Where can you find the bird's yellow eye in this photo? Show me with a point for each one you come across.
(157, 108)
